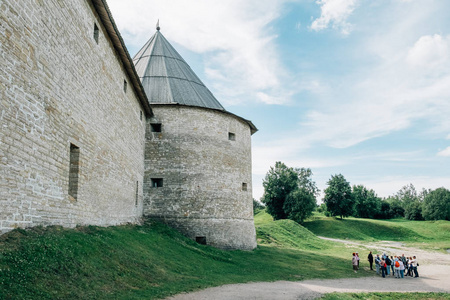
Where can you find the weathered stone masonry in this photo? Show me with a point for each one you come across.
(203, 172)
(79, 143)
(59, 86)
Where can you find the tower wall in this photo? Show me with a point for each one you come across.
(206, 175)
(58, 87)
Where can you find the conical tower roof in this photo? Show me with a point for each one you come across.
(168, 79)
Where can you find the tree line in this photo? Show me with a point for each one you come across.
(290, 193)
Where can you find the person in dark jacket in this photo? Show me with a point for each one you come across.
(370, 259)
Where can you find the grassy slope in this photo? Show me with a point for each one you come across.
(154, 261)
(425, 234)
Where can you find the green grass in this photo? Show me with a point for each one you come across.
(153, 261)
(422, 234)
(380, 296)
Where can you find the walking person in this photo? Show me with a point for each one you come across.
(370, 259)
(355, 262)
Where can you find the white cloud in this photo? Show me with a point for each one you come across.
(445, 152)
(409, 84)
(234, 37)
(430, 51)
(388, 186)
(334, 13)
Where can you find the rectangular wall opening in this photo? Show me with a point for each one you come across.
(96, 33)
(74, 170)
(125, 84)
(231, 136)
(157, 182)
(244, 186)
(201, 240)
(156, 127)
(137, 193)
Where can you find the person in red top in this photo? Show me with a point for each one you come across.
(383, 267)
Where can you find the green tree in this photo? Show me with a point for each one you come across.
(384, 212)
(338, 196)
(305, 181)
(278, 183)
(322, 208)
(289, 193)
(299, 205)
(436, 205)
(396, 209)
(367, 204)
(411, 202)
(257, 206)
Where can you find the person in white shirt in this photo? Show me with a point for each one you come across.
(402, 269)
(414, 265)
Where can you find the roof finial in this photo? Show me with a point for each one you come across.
(157, 26)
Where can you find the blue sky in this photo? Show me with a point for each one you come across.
(356, 87)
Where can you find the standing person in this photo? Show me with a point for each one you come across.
(370, 259)
(402, 268)
(355, 262)
(414, 265)
(357, 257)
(383, 268)
(378, 264)
(404, 261)
(388, 264)
(392, 265)
(397, 267)
(410, 268)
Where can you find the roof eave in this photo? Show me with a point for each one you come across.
(252, 126)
(119, 45)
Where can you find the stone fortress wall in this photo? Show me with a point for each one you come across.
(203, 157)
(79, 143)
(65, 111)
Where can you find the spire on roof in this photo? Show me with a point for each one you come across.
(168, 79)
(157, 26)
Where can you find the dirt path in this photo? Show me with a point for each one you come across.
(434, 274)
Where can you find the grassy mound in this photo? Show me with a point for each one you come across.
(153, 261)
(424, 234)
(287, 233)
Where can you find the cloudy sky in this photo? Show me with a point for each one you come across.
(353, 87)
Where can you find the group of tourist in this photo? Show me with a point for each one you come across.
(398, 266)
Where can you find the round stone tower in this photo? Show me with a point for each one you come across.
(197, 155)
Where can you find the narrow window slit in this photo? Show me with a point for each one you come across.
(96, 32)
(74, 170)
